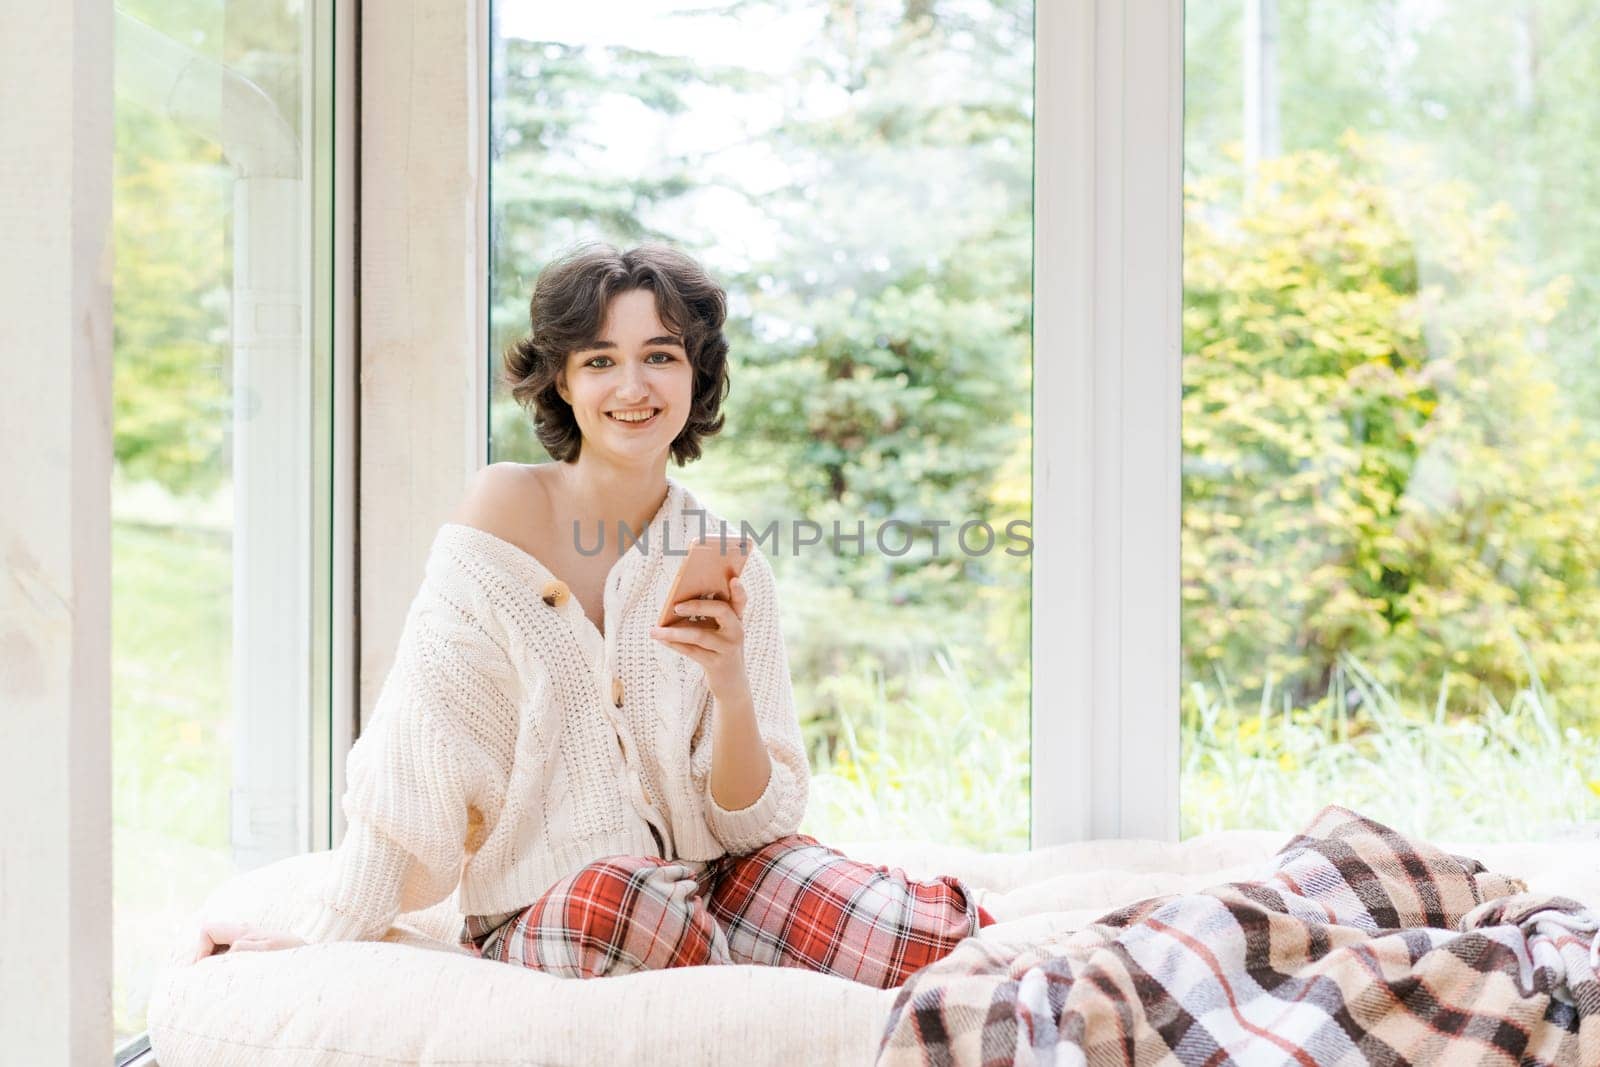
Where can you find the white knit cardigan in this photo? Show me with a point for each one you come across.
(497, 762)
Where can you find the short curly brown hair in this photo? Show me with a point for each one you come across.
(570, 298)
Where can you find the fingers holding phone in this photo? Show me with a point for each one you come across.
(707, 573)
(711, 615)
(702, 618)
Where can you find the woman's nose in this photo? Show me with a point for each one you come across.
(632, 384)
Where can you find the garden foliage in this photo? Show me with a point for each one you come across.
(1376, 459)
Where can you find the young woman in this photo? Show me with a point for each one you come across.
(604, 794)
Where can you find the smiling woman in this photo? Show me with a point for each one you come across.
(643, 387)
(615, 336)
(860, 177)
(604, 795)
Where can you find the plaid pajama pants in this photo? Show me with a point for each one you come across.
(791, 903)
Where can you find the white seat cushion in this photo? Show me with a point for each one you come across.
(387, 1002)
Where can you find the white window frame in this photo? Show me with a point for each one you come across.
(1108, 287)
(327, 773)
(1107, 369)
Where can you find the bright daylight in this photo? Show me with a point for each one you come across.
(844, 531)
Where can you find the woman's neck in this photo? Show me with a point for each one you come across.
(596, 490)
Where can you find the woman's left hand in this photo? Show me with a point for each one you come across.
(719, 650)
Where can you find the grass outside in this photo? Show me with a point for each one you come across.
(1522, 772)
(948, 761)
(172, 761)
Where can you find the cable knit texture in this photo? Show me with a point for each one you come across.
(496, 762)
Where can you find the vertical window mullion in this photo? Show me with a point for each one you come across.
(1108, 292)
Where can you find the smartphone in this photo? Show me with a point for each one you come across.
(706, 573)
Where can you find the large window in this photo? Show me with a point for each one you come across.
(860, 177)
(1391, 414)
(222, 456)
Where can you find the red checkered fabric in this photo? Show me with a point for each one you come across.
(792, 903)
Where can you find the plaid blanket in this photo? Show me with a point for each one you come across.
(1358, 945)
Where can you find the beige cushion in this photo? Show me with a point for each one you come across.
(387, 1002)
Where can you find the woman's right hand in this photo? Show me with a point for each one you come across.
(217, 936)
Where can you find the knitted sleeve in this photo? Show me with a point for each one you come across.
(778, 810)
(420, 763)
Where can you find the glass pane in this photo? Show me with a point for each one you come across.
(859, 177)
(1391, 415)
(219, 501)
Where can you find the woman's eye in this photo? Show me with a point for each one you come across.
(666, 357)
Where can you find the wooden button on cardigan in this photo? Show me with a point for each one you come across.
(498, 760)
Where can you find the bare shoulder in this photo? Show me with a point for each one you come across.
(504, 499)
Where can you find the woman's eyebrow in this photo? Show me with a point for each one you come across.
(674, 341)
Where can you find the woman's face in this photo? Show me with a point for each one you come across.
(636, 367)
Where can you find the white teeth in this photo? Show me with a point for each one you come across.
(633, 418)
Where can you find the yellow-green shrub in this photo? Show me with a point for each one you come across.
(1375, 458)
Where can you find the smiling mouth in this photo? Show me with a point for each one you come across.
(635, 421)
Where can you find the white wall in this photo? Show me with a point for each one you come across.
(55, 532)
(423, 311)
